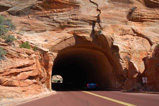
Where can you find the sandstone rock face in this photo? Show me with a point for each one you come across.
(126, 31)
(152, 3)
(17, 7)
(25, 71)
(152, 69)
(138, 14)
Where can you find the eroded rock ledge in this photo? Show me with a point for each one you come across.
(25, 71)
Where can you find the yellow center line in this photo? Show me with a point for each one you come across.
(110, 99)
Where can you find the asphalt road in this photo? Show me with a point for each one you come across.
(96, 98)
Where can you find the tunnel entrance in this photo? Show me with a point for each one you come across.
(79, 66)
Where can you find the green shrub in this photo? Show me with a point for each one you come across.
(9, 38)
(2, 52)
(5, 25)
(35, 48)
(2, 36)
(3, 30)
(10, 25)
(25, 45)
(1, 19)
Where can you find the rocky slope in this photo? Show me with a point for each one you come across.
(24, 72)
(126, 30)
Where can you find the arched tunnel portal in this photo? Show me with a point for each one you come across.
(81, 65)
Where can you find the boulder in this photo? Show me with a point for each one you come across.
(17, 7)
(20, 10)
(4, 6)
(152, 3)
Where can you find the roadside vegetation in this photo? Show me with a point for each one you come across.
(35, 48)
(9, 39)
(3, 30)
(2, 53)
(25, 45)
(5, 26)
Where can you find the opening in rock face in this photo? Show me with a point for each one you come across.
(79, 65)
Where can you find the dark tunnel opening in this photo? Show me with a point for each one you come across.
(79, 66)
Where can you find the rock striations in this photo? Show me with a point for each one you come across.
(127, 31)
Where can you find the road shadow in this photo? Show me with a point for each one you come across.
(72, 87)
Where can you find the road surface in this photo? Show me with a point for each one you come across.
(96, 98)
